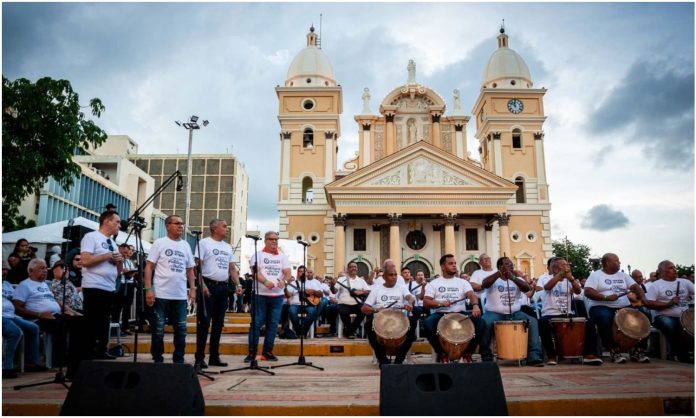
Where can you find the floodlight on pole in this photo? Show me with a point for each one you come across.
(190, 126)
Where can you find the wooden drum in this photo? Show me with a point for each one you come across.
(570, 336)
(629, 327)
(391, 328)
(455, 331)
(687, 321)
(511, 340)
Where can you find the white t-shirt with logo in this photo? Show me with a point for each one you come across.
(413, 288)
(103, 275)
(343, 295)
(664, 291)
(503, 297)
(452, 289)
(271, 266)
(8, 310)
(478, 276)
(610, 284)
(294, 289)
(381, 296)
(37, 296)
(555, 301)
(171, 259)
(217, 256)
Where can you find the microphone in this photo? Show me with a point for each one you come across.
(252, 236)
(305, 243)
(195, 232)
(179, 182)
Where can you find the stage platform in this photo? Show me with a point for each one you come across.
(350, 384)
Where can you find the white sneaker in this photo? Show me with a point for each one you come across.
(617, 358)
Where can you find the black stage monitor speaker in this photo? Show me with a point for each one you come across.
(442, 389)
(110, 388)
(74, 234)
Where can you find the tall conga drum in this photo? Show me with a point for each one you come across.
(511, 340)
(629, 327)
(391, 328)
(570, 336)
(687, 321)
(455, 331)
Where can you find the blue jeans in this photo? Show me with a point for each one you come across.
(533, 342)
(13, 329)
(679, 344)
(175, 310)
(604, 318)
(312, 315)
(430, 326)
(266, 310)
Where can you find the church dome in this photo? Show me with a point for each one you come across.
(311, 67)
(506, 68)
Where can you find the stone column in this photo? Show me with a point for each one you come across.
(340, 243)
(503, 221)
(489, 239)
(497, 154)
(330, 153)
(389, 146)
(460, 141)
(366, 157)
(394, 239)
(450, 247)
(284, 189)
(437, 141)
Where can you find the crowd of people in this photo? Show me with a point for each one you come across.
(77, 297)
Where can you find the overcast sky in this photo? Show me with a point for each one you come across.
(620, 102)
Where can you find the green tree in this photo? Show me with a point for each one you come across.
(42, 125)
(683, 271)
(578, 255)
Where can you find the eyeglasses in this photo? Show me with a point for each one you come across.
(175, 223)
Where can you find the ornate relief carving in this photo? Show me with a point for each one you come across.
(420, 172)
(446, 138)
(416, 105)
(449, 218)
(340, 219)
(352, 164)
(389, 179)
(503, 219)
(379, 142)
(399, 137)
(426, 134)
(394, 218)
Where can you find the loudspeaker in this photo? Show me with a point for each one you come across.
(442, 389)
(74, 234)
(111, 388)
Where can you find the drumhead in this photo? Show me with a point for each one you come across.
(456, 328)
(687, 321)
(578, 319)
(390, 323)
(632, 323)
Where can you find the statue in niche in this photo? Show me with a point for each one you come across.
(366, 101)
(411, 126)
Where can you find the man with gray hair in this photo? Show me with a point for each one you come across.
(217, 268)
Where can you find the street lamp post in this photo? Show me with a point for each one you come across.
(190, 126)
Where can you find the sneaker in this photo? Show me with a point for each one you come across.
(467, 358)
(535, 363)
(616, 357)
(444, 359)
(592, 360)
(269, 357)
(216, 362)
(640, 357)
(200, 364)
(552, 361)
(249, 358)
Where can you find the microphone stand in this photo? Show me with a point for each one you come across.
(59, 377)
(254, 364)
(303, 315)
(200, 297)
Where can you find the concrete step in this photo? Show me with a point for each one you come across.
(232, 318)
(239, 328)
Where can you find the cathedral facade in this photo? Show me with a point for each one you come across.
(412, 193)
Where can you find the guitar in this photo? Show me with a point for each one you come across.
(312, 300)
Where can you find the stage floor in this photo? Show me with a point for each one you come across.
(349, 385)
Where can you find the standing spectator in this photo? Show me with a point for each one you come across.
(102, 265)
(14, 328)
(169, 266)
(15, 273)
(123, 298)
(25, 253)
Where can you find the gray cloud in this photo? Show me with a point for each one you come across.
(603, 218)
(652, 107)
(600, 156)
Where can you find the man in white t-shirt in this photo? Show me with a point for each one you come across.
(389, 295)
(670, 297)
(272, 273)
(169, 268)
(312, 301)
(477, 278)
(101, 266)
(607, 291)
(503, 290)
(350, 293)
(447, 294)
(379, 280)
(14, 329)
(216, 264)
(557, 290)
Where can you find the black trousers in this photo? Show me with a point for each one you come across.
(379, 349)
(215, 307)
(344, 312)
(69, 341)
(123, 300)
(97, 311)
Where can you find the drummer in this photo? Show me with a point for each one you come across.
(447, 294)
(662, 297)
(391, 295)
(557, 287)
(607, 291)
(503, 290)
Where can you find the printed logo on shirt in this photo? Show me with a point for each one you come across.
(501, 288)
(556, 292)
(669, 293)
(385, 298)
(216, 251)
(607, 281)
(168, 253)
(441, 289)
(105, 245)
(265, 261)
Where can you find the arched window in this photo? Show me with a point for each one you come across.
(308, 138)
(516, 139)
(307, 192)
(519, 182)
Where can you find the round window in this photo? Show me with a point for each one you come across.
(308, 104)
(415, 240)
(309, 80)
(531, 236)
(314, 238)
(299, 237)
(515, 236)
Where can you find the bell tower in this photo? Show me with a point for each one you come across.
(309, 109)
(509, 114)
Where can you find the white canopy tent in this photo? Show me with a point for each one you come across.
(45, 236)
